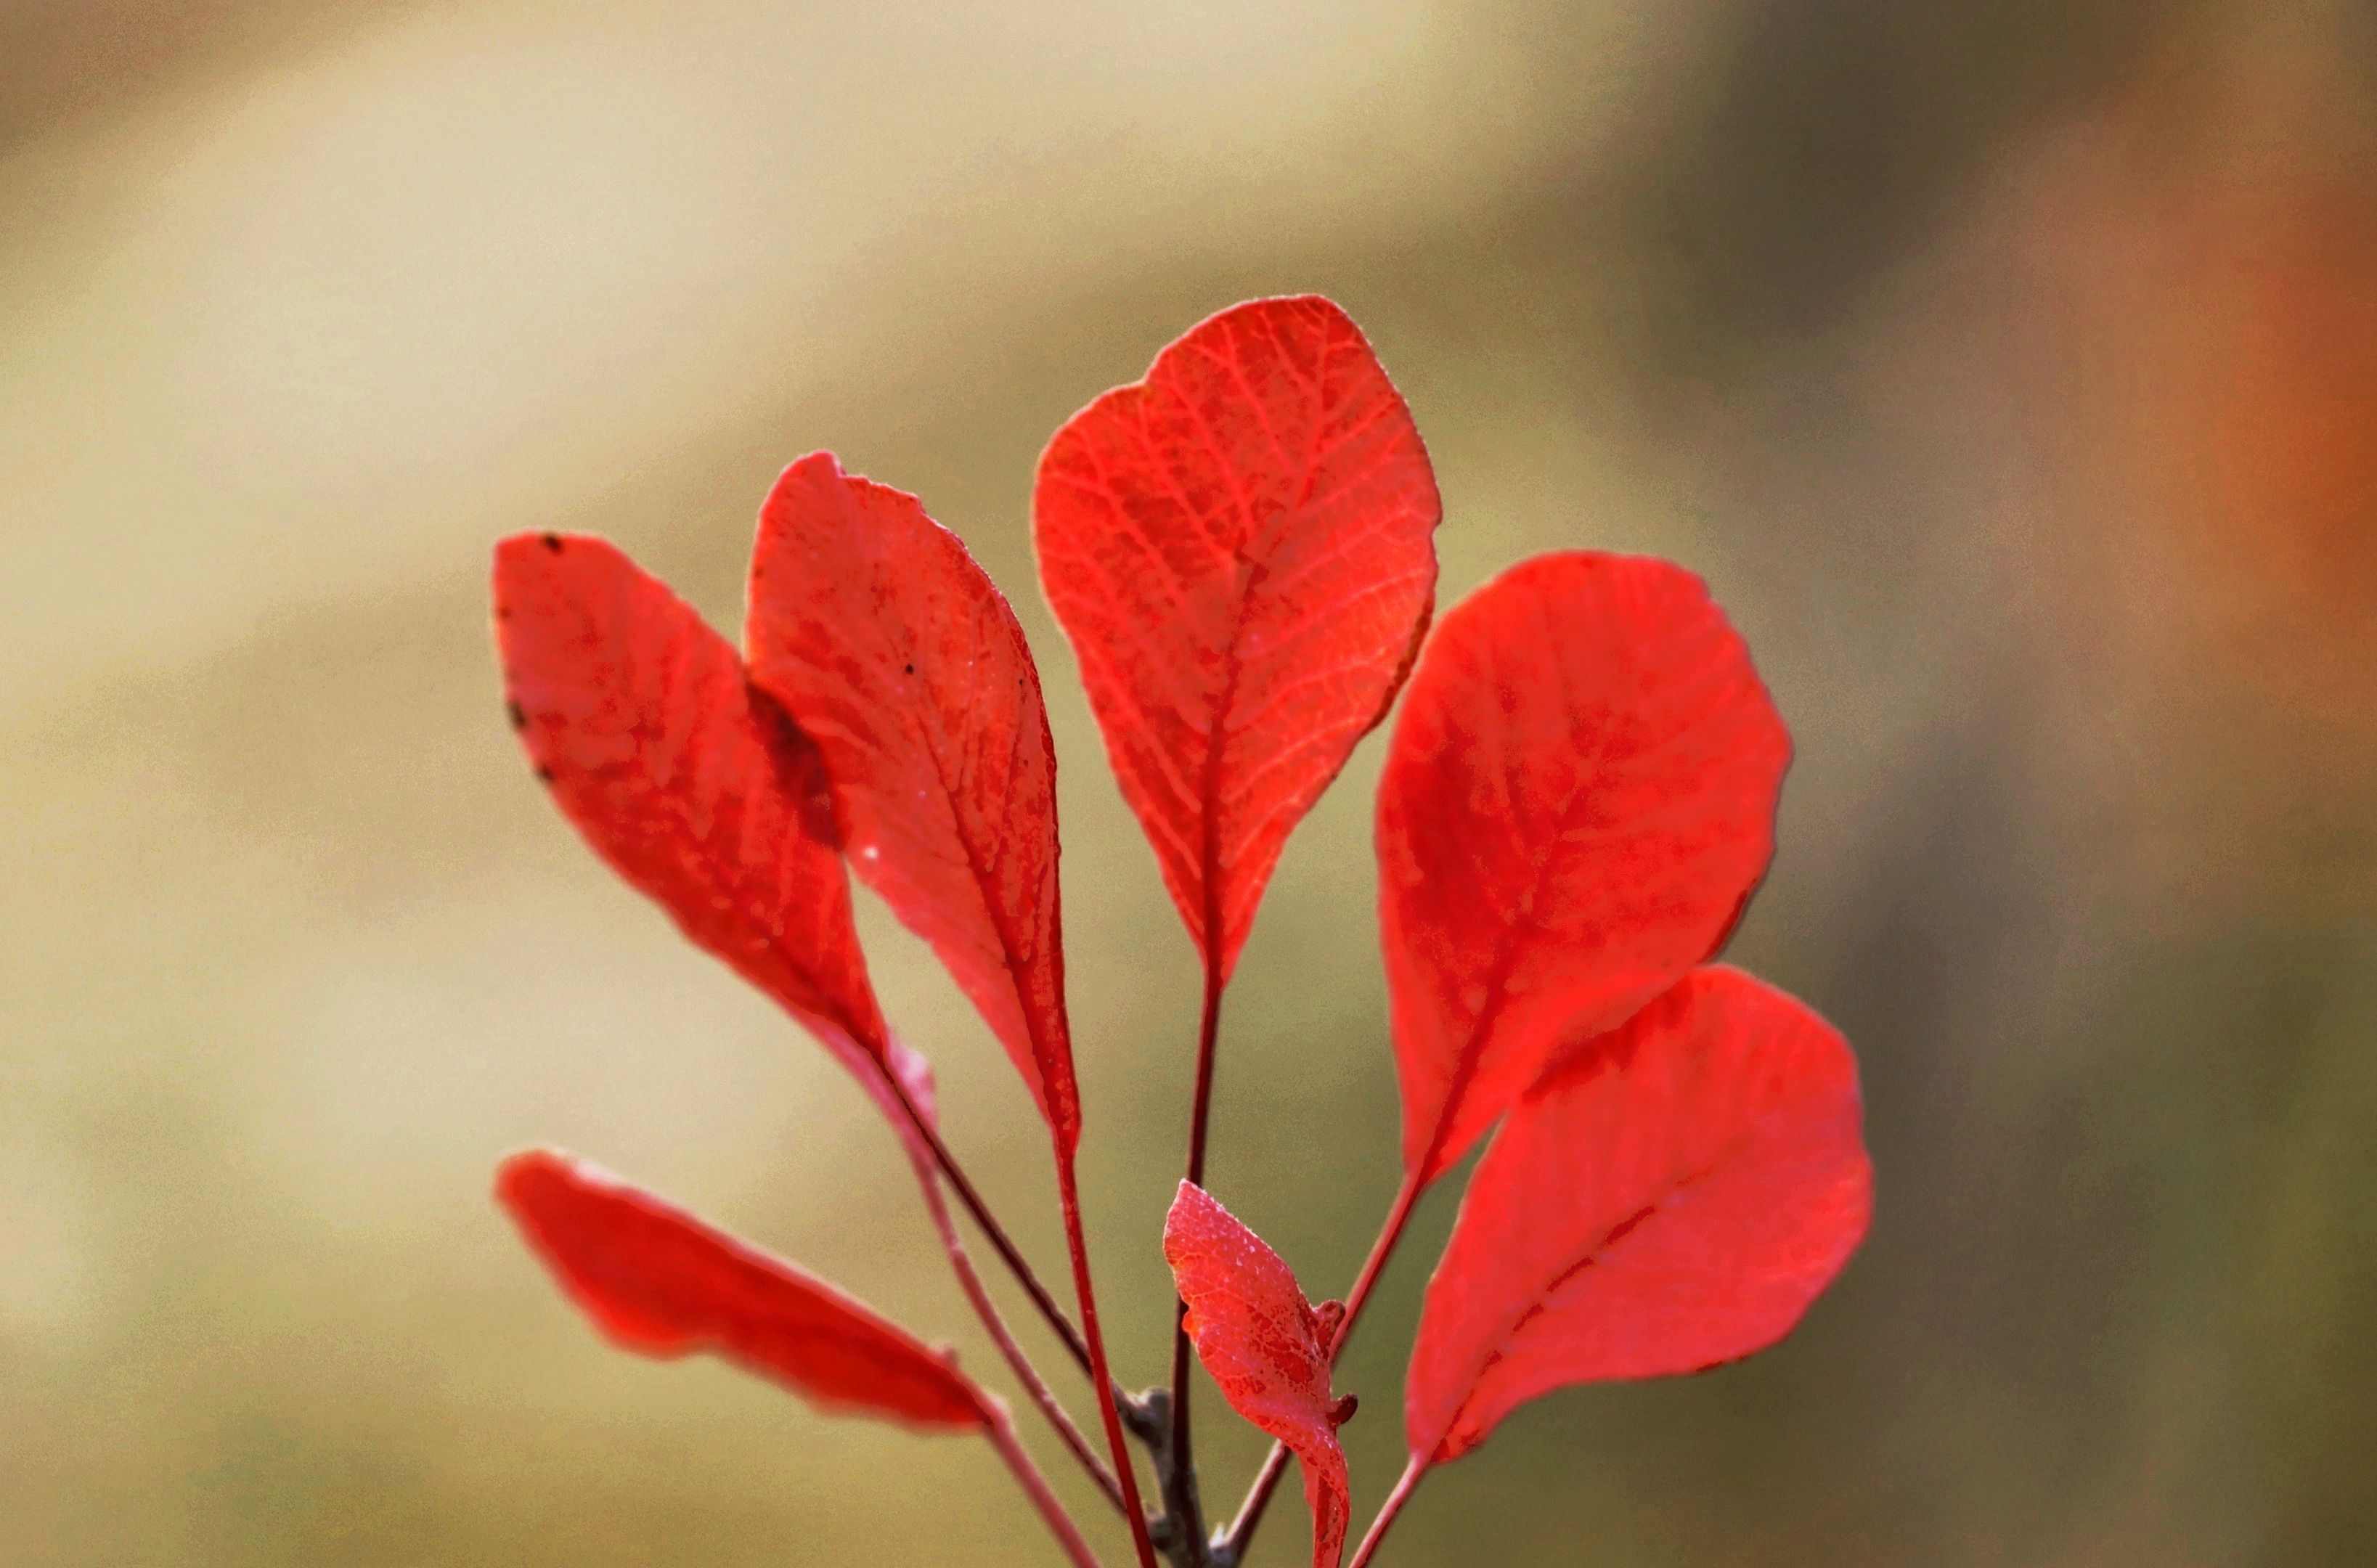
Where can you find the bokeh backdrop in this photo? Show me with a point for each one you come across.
(2010, 368)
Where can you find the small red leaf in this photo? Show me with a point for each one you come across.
(659, 1282)
(1670, 1199)
(1240, 548)
(695, 787)
(887, 644)
(1578, 799)
(1265, 1346)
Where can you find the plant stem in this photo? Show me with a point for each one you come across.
(1035, 1485)
(1181, 1500)
(1250, 1512)
(988, 1223)
(1152, 1424)
(1176, 1471)
(1035, 1387)
(1398, 1218)
(1208, 1030)
(1387, 1512)
(1068, 1193)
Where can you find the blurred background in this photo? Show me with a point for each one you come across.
(2010, 368)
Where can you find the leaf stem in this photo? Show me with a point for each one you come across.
(1387, 1512)
(1035, 1485)
(1398, 1218)
(1250, 1512)
(1068, 1193)
(1208, 1030)
(1035, 1386)
(988, 1223)
(1179, 1461)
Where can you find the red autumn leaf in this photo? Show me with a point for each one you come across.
(659, 1282)
(1266, 1347)
(1578, 799)
(694, 786)
(877, 632)
(1240, 548)
(1672, 1198)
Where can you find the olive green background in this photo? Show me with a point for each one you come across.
(2010, 369)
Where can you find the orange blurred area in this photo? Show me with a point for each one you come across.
(2008, 371)
(2293, 422)
(2259, 329)
(2206, 367)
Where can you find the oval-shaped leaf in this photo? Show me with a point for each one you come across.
(1241, 547)
(889, 647)
(1265, 1346)
(1578, 799)
(657, 1281)
(695, 787)
(1664, 1201)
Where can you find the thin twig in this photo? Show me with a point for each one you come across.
(1068, 1194)
(1180, 1542)
(1233, 1546)
(1035, 1485)
(988, 1223)
(970, 1281)
(1180, 1458)
(1387, 1512)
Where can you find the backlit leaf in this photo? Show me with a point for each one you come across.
(694, 786)
(1579, 798)
(889, 647)
(659, 1282)
(1265, 1346)
(1664, 1200)
(1241, 547)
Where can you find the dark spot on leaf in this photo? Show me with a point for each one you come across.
(912, 669)
(552, 543)
(512, 710)
(544, 773)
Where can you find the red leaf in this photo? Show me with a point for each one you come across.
(659, 1282)
(1669, 1199)
(1578, 799)
(695, 787)
(887, 644)
(1240, 548)
(1267, 1348)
